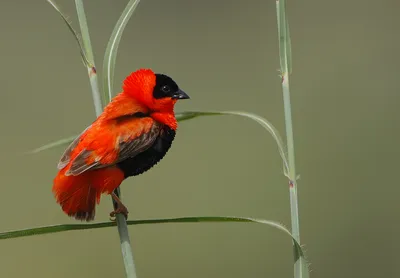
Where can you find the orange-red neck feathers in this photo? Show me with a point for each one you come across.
(166, 118)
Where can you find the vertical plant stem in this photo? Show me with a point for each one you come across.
(285, 54)
(294, 207)
(126, 248)
(87, 46)
(291, 157)
(127, 254)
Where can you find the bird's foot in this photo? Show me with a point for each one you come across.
(120, 209)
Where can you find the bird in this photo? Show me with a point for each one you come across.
(132, 134)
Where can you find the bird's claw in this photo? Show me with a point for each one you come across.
(121, 209)
(113, 219)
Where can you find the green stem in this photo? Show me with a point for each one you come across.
(285, 55)
(292, 166)
(87, 46)
(126, 248)
(294, 208)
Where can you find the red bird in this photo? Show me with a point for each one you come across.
(134, 132)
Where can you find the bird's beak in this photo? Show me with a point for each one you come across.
(180, 95)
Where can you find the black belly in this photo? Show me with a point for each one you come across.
(144, 161)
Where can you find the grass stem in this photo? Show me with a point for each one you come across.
(291, 157)
(87, 46)
(285, 55)
(126, 248)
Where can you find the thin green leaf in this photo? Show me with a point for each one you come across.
(71, 227)
(52, 145)
(110, 55)
(263, 122)
(84, 57)
(183, 116)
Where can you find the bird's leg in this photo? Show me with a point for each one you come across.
(121, 208)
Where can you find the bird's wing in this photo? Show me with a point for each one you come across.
(107, 144)
(66, 157)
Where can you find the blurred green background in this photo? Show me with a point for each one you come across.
(225, 55)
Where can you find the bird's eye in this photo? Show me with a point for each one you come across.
(165, 89)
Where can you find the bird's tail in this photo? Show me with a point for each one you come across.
(78, 195)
